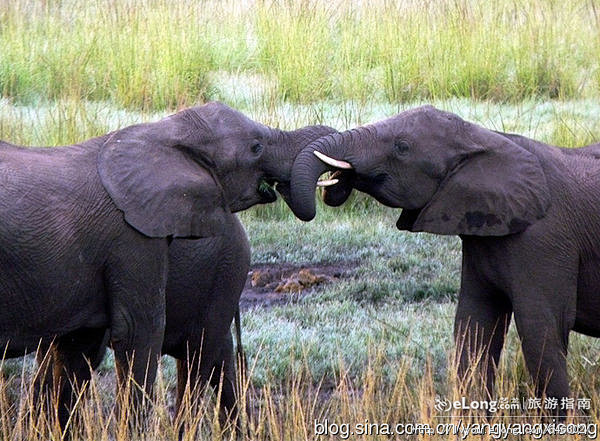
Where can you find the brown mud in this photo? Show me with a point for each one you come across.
(269, 285)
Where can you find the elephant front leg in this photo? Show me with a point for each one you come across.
(136, 362)
(137, 291)
(482, 320)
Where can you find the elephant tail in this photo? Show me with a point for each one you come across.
(241, 354)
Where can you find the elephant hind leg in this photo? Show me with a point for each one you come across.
(189, 385)
(545, 305)
(218, 371)
(224, 377)
(189, 382)
(544, 337)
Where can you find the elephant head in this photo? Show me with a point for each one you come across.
(448, 175)
(182, 175)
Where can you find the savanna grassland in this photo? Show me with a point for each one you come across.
(375, 343)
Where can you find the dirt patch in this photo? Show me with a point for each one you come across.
(272, 284)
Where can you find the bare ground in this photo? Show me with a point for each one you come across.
(269, 285)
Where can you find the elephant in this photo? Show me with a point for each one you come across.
(592, 150)
(85, 229)
(205, 280)
(526, 214)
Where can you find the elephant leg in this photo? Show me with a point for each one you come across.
(43, 383)
(182, 381)
(189, 381)
(224, 377)
(482, 319)
(136, 362)
(66, 364)
(136, 288)
(544, 333)
(545, 305)
(217, 368)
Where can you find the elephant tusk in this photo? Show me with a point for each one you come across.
(327, 182)
(333, 162)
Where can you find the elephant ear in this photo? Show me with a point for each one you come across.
(160, 188)
(497, 188)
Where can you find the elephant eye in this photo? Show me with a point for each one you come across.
(257, 148)
(401, 146)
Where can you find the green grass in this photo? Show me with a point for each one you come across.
(155, 55)
(568, 123)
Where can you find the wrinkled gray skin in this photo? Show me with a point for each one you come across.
(527, 214)
(85, 229)
(206, 279)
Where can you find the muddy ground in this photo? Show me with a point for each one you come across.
(269, 285)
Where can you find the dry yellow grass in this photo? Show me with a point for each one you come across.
(364, 408)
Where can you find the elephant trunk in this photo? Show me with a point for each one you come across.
(278, 163)
(308, 167)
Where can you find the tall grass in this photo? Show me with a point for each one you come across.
(154, 55)
(299, 407)
(143, 55)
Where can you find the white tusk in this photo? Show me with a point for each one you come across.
(333, 162)
(327, 182)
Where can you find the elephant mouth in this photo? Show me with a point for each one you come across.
(407, 219)
(283, 188)
(266, 191)
(267, 186)
(341, 179)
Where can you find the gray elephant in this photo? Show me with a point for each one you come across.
(205, 281)
(85, 229)
(592, 150)
(526, 213)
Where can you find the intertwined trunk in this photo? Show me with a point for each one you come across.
(307, 169)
